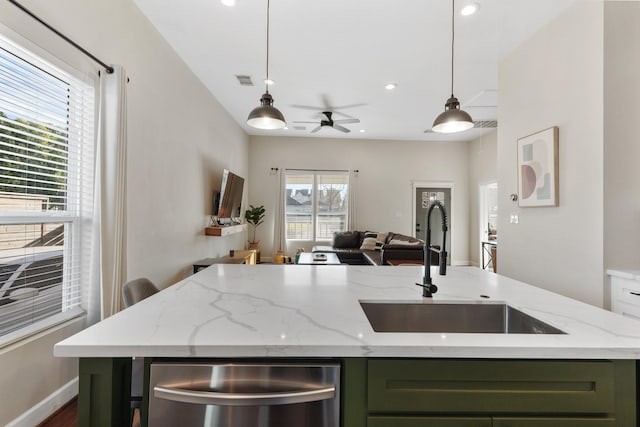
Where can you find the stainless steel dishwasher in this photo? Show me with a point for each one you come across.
(244, 395)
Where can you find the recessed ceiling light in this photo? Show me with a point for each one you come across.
(269, 82)
(228, 2)
(470, 9)
(391, 86)
(362, 131)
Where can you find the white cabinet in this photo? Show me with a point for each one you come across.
(625, 292)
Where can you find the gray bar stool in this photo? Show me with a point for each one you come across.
(133, 292)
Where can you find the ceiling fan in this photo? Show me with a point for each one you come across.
(328, 121)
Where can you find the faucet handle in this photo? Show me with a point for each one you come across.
(443, 263)
(428, 289)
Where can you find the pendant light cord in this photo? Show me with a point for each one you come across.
(267, 80)
(453, 36)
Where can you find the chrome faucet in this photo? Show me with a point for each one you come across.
(428, 288)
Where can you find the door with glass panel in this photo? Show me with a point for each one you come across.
(424, 196)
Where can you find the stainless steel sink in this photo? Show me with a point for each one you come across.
(487, 318)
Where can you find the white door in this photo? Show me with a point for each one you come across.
(488, 223)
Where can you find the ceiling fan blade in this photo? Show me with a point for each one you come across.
(316, 129)
(314, 123)
(343, 115)
(347, 121)
(326, 102)
(344, 107)
(307, 107)
(341, 128)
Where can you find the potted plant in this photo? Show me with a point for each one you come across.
(255, 216)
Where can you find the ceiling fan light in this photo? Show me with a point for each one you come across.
(469, 9)
(453, 119)
(266, 116)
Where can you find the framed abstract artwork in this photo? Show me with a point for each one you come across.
(538, 169)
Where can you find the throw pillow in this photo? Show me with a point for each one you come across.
(373, 241)
(371, 244)
(346, 239)
(399, 242)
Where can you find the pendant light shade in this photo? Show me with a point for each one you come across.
(453, 119)
(266, 116)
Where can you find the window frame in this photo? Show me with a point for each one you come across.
(315, 190)
(81, 145)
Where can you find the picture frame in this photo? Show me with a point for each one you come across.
(538, 169)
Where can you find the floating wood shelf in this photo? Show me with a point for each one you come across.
(225, 231)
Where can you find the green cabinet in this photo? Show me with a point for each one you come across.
(431, 392)
(104, 392)
(499, 393)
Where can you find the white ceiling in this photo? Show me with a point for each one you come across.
(343, 52)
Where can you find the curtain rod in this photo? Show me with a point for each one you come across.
(108, 68)
(316, 170)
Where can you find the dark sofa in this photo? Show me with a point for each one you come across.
(373, 248)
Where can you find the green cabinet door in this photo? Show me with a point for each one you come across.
(428, 422)
(400, 421)
(553, 422)
(490, 387)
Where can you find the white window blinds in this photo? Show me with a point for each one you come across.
(46, 180)
(316, 204)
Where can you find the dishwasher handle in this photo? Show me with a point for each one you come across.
(243, 399)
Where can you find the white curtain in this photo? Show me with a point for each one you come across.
(279, 241)
(351, 219)
(109, 248)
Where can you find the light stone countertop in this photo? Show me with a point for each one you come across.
(313, 311)
(624, 273)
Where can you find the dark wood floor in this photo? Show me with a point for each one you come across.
(67, 416)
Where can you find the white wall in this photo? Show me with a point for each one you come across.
(621, 135)
(482, 170)
(556, 79)
(179, 139)
(383, 186)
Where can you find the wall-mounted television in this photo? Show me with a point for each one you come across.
(230, 205)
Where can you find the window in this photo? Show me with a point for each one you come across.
(46, 164)
(316, 204)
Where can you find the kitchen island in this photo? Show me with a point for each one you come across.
(313, 312)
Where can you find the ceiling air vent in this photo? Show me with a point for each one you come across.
(485, 124)
(244, 80)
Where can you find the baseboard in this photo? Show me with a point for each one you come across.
(46, 407)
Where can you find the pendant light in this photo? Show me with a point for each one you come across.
(453, 119)
(266, 116)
